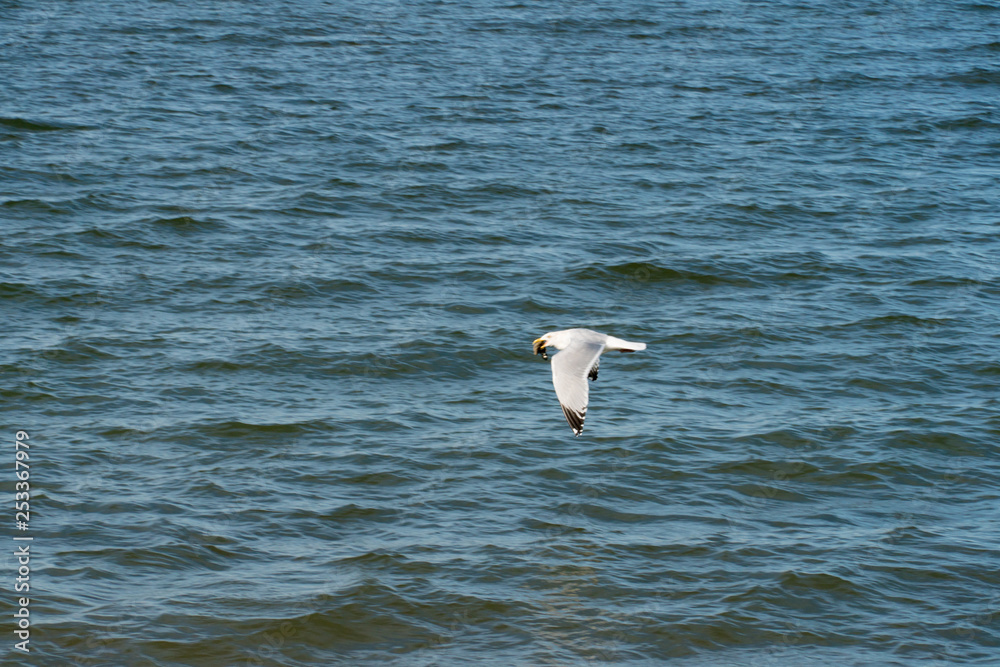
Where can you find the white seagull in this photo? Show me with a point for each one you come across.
(578, 360)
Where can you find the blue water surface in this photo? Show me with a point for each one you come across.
(271, 273)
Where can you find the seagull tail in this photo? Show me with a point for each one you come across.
(623, 345)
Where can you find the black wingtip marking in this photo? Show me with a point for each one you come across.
(575, 419)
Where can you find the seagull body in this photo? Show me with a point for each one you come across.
(578, 359)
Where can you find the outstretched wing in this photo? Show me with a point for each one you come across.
(569, 376)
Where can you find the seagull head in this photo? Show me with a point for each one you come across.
(556, 339)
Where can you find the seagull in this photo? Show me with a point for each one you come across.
(580, 355)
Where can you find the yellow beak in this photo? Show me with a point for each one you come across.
(538, 345)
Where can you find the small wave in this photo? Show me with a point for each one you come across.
(121, 237)
(240, 429)
(175, 556)
(948, 281)
(37, 126)
(968, 122)
(317, 286)
(101, 203)
(811, 583)
(975, 76)
(788, 438)
(19, 291)
(893, 322)
(448, 146)
(778, 470)
(354, 512)
(35, 206)
(953, 444)
(184, 223)
(769, 492)
(550, 529)
(376, 479)
(647, 272)
(981, 7)
(76, 351)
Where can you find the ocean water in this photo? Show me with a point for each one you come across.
(270, 276)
